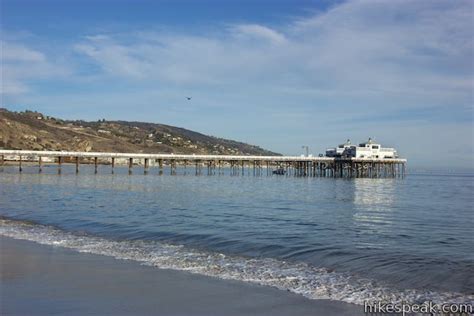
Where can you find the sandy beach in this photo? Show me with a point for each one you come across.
(46, 280)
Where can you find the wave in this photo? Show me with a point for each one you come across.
(300, 278)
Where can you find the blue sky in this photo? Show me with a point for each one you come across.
(279, 74)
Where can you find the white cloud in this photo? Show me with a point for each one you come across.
(12, 87)
(259, 32)
(374, 48)
(20, 64)
(115, 60)
(17, 52)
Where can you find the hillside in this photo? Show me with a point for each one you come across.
(35, 131)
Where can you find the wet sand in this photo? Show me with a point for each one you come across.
(45, 280)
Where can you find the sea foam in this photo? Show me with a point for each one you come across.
(300, 278)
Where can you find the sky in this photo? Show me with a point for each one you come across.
(278, 74)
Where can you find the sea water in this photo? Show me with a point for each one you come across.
(352, 240)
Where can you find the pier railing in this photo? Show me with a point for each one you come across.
(289, 165)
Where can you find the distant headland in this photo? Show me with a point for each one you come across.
(30, 130)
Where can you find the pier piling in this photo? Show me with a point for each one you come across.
(145, 166)
(59, 164)
(95, 164)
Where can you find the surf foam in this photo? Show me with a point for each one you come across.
(300, 278)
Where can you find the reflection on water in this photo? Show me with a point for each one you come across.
(374, 204)
(408, 233)
(372, 193)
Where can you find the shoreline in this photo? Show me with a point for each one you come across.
(55, 280)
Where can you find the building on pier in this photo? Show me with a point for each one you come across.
(340, 150)
(368, 149)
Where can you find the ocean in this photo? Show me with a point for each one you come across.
(353, 240)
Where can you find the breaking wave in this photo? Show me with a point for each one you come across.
(301, 278)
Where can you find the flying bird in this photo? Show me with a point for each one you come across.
(189, 98)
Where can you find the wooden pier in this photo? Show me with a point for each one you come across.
(304, 166)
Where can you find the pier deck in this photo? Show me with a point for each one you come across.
(294, 165)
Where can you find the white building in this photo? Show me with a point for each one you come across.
(369, 149)
(339, 150)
